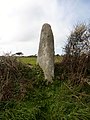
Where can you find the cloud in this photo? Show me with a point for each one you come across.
(21, 22)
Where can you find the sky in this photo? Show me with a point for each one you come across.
(21, 22)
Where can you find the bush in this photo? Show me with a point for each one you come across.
(77, 55)
(16, 78)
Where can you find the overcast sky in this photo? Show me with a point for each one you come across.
(21, 22)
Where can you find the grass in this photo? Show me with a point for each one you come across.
(28, 60)
(32, 60)
(58, 59)
(57, 101)
(53, 102)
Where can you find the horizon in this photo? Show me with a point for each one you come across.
(21, 22)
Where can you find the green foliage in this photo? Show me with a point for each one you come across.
(34, 100)
(58, 101)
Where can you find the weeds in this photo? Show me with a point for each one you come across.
(58, 101)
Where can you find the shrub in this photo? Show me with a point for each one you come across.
(17, 78)
(77, 55)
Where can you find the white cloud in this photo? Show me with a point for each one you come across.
(21, 21)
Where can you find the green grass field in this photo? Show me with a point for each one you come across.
(32, 60)
(28, 60)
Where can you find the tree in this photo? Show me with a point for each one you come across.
(78, 41)
(19, 53)
(77, 54)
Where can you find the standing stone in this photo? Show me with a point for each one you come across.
(45, 57)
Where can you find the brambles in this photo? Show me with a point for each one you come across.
(12, 73)
(16, 78)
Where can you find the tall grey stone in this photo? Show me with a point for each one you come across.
(45, 57)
